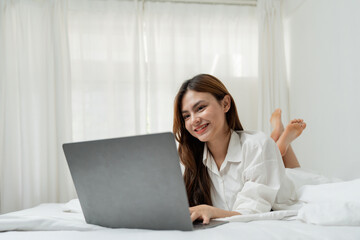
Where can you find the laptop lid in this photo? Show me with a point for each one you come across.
(130, 182)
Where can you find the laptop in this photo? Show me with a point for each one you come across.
(131, 182)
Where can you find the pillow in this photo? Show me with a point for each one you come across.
(331, 214)
(330, 192)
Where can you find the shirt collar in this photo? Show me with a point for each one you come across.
(206, 156)
(234, 149)
(233, 154)
(208, 160)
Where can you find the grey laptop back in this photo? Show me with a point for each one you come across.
(132, 182)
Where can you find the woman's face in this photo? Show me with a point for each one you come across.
(204, 116)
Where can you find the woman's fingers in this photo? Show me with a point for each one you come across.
(206, 220)
(202, 212)
(194, 216)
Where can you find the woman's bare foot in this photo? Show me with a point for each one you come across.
(292, 131)
(276, 124)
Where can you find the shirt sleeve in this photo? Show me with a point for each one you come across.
(262, 177)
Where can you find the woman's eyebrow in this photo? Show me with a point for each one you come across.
(195, 105)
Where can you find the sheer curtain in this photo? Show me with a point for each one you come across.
(183, 40)
(107, 83)
(128, 61)
(35, 116)
(273, 87)
(106, 68)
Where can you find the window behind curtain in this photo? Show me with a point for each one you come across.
(128, 64)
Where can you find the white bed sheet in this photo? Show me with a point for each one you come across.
(328, 210)
(55, 217)
(271, 229)
(31, 223)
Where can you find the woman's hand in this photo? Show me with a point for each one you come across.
(206, 212)
(202, 212)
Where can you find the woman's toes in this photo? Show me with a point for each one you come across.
(294, 121)
(297, 120)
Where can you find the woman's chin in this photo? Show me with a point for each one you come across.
(202, 140)
(203, 137)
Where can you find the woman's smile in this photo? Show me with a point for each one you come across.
(201, 129)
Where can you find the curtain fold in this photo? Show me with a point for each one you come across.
(129, 58)
(108, 84)
(183, 40)
(35, 103)
(273, 86)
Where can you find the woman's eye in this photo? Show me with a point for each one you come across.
(201, 108)
(186, 117)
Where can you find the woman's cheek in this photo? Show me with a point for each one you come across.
(188, 127)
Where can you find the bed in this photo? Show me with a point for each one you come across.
(330, 209)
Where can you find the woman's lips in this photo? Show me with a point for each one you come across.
(202, 128)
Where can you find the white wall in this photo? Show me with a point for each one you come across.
(322, 43)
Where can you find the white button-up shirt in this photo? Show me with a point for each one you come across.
(252, 177)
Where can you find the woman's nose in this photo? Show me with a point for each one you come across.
(195, 120)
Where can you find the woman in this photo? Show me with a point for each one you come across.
(229, 171)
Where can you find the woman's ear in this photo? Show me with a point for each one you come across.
(226, 103)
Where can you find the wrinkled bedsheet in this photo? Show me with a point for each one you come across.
(327, 209)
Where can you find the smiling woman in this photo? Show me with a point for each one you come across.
(189, 100)
(229, 171)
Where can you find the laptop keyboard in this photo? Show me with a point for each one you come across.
(213, 223)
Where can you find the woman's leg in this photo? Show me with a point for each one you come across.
(277, 125)
(290, 159)
(283, 138)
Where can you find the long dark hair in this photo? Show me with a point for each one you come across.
(196, 177)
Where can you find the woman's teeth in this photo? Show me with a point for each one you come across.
(201, 128)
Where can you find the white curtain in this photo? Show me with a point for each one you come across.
(273, 87)
(106, 68)
(128, 61)
(107, 83)
(35, 117)
(183, 40)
